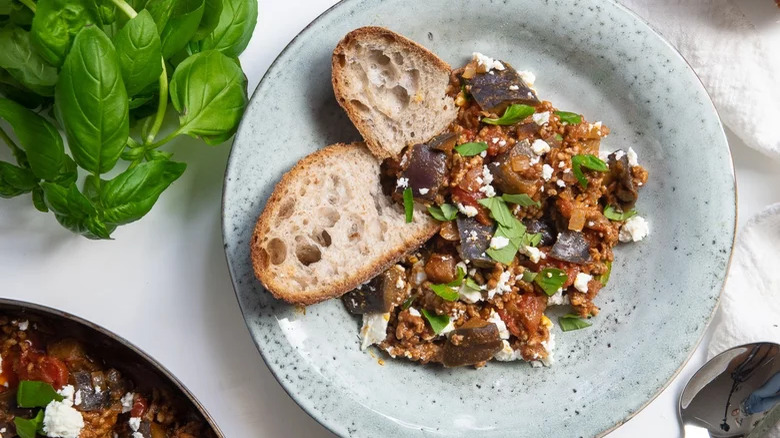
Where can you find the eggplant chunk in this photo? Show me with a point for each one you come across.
(572, 247)
(144, 430)
(542, 227)
(477, 341)
(626, 192)
(425, 172)
(474, 241)
(443, 142)
(91, 398)
(379, 295)
(506, 166)
(497, 89)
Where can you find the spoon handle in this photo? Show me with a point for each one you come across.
(692, 431)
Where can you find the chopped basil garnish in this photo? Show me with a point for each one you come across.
(515, 113)
(520, 199)
(529, 276)
(506, 254)
(559, 137)
(570, 118)
(408, 303)
(449, 291)
(571, 322)
(611, 213)
(509, 227)
(408, 204)
(588, 161)
(443, 213)
(437, 322)
(550, 280)
(29, 428)
(533, 239)
(604, 278)
(471, 149)
(35, 394)
(498, 210)
(465, 92)
(471, 284)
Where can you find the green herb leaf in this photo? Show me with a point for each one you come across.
(604, 278)
(408, 204)
(506, 254)
(471, 284)
(181, 26)
(210, 20)
(438, 322)
(570, 118)
(513, 114)
(138, 47)
(38, 202)
(571, 322)
(520, 199)
(448, 293)
(39, 138)
(533, 239)
(471, 149)
(23, 63)
(75, 211)
(611, 213)
(443, 213)
(529, 276)
(235, 27)
(91, 101)
(35, 394)
(408, 303)
(550, 280)
(15, 180)
(56, 23)
(559, 137)
(208, 90)
(161, 11)
(588, 161)
(499, 211)
(28, 428)
(458, 278)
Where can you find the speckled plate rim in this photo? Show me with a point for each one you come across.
(316, 415)
(25, 305)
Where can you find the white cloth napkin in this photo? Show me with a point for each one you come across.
(726, 50)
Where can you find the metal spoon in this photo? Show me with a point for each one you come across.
(736, 394)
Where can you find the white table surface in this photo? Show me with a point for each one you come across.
(168, 276)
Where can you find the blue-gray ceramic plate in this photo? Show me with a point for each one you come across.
(590, 56)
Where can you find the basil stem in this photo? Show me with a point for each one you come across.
(162, 106)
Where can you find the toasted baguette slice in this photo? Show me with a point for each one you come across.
(327, 227)
(393, 89)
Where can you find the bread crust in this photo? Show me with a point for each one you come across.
(360, 274)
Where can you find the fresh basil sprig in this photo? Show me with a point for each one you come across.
(444, 212)
(570, 118)
(449, 291)
(438, 322)
(588, 161)
(611, 213)
(604, 278)
(513, 114)
(35, 394)
(571, 322)
(550, 280)
(29, 428)
(408, 204)
(104, 68)
(520, 199)
(471, 149)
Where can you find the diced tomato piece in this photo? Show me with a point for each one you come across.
(36, 366)
(523, 314)
(470, 198)
(139, 406)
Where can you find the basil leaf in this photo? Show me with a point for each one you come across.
(131, 194)
(588, 161)
(12, 89)
(498, 211)
(611, 213)
(235, 27)
(38, 137)
(529, 276)
(471, 284)
(91, 101)
(513, 114)
(448, 293)
(181, 26)
(208, 90)
(443, 213)
(471, 149)
(559, 137)
(20, 14)
(38, 202)
(28, 428)
(550, 280)
(161, 11)
(604, 278)
(506, 254)
(35, 394)
(15, 180)
(56, 24)
(570, 118)
(520, 199)
(533, 239)
(210, 20)
(138, 49)
(23, 63)
(408, 303)
(75, 211)
(438, 322)
(571, 322)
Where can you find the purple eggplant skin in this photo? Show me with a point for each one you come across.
(505, 178)
(497, 89)
(472, 345)
(443, 142)
(91, 400)
(473, 245)
(543, 227)
(626, 191)
(379, 295)
(144, 429)
(571, 246)
(426, 170)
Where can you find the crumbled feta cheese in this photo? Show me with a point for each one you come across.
(77, 398)
(67, 392)
(60, 419)
(547, 172)
(498, 242)
(488, 190)
(506, 354)
(597, 125)
(424, 191)
(400, 282)
(487, 179)
(560, 183)
(561, 165)
(634, 229)
(632, 158)
(134, 423)
(448, 328)
(541, 118)
(534, 160)
(495, 140)
(98, 389)
(374, 329)
(619, 154)
(468, 210)
(414, 312)
(533, 253)
(558, 299)
(470, 295)
(473, 236)
(501, 143)
(549, 346)
(402, 183)
(486, 175)
(23, 325)
(487, 62)
(581, 282)
(483, 154)
(495, 318)
(502, 286)
(527, 77)
(514, 87)
(540, 147)
(137, 435)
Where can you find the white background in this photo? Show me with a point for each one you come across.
(163, 282)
